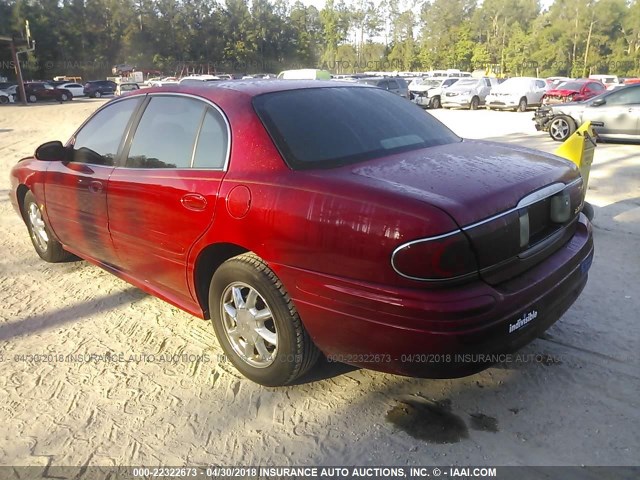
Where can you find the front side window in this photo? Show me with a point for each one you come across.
(332, 126)
(99, 140)
(625, 96)
(166, 134)
(393, 85)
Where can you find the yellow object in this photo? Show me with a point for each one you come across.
(579, 149)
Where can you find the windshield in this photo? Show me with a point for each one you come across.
(515, 83)
(327, 127)
(570, 86)
(466, 81)
(430, 82)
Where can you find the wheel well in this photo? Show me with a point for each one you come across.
(21, 192)
(207, 263)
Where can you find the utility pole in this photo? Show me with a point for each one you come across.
(18, 68)
(586, 52)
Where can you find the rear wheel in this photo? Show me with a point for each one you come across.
(47, 247)
(257, 324)
(522, 105)
(475, 103)
(561, 128)
(32, 98)
(64, 97)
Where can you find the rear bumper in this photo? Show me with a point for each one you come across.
(443, 333)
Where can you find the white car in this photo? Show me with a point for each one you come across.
(163, 81)
(76, 89)
(5, 97)
(517, 93)
(468, 92)
(610, 81)
(427, 91)
(195, 79)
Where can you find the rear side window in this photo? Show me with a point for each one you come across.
(325, 127)
(99, 140)
(166, 134)
(393, 85)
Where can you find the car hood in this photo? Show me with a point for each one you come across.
(422, 88)
(562, 92)
(471, 180)
(461, 88)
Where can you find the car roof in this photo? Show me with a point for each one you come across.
(252, 87)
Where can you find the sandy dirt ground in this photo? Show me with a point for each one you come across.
(571, 400)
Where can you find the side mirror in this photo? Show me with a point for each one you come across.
(598, 102)
(51, 151)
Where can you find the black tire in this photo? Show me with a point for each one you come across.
(561, 128)
(475, 103)
(97, 95)
(435, 103)
(32, 98)
(522, 105)
(50, 250)
(588, 210)
(4, 100)
(64, 97)
(295, 353)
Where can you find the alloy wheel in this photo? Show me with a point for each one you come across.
(249, 325)
(38, 230)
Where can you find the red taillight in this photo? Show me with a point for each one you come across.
(438, 258)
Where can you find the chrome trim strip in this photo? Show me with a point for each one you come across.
(541, 194)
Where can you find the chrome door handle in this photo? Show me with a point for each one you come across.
(194, 201)
(95, 186)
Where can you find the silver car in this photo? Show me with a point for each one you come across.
(614, 115)
(468, 93)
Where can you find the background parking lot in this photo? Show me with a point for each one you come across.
(96, 372)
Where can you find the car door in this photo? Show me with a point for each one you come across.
(618, 115)
(485, 88)
(537, 90)
(76, 89)
(393, 87)
(163, 196)
(76, 190)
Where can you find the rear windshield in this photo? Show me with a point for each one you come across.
(327, 127)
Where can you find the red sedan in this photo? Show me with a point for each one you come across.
(308, 217)
(573, 91)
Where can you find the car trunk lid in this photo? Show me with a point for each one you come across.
(493, 192)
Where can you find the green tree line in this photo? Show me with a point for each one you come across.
(511, 37)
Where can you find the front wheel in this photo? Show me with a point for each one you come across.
(256, 323)
(435, 103)
(97, 95)
(475, 103)
(522, 105)
(561, 128)
(64, 97)
(47, 247)
(32, 98)
(4, 100)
